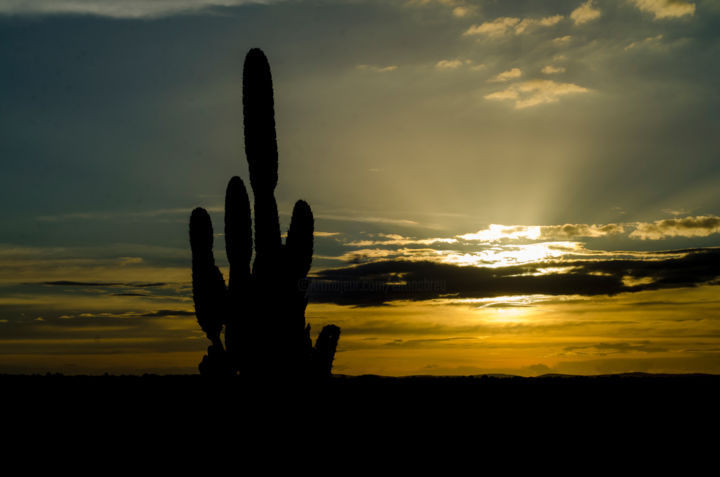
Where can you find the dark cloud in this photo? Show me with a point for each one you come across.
(386, 281)
(700, 226)
(162, 313)
(98, 330)
(572, 231)
(506, 305)
(110, 8)
(425, 341)
(696, 267)
(69, 283)
(604, 349)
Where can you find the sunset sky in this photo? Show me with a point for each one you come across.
(520, 187)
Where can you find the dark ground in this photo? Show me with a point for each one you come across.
(363, 421)
(640, 396)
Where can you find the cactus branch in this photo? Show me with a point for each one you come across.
(209, 292)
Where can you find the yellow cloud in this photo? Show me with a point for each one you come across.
(553, 70)
(511, 26)
(507, 75)
(585, 13)
(652, 41)
(421, 3)
(461, 11)
(377, 69)
(549, 21)
(666, 8)
(535, 92)
(571, 231)
(562, 40)
(394, 239)
(700, 226)
(460, 8)
(448, 64)
(529, 23)
(495, 28)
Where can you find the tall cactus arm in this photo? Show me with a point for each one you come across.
(209, 292)
(259, 122)
(238, 247)
(262, 156)
(238, 232)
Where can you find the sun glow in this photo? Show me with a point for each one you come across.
(497, 232)
(509, 255)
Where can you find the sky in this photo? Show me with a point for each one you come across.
(512, 187)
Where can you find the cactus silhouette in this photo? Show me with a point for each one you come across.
(262, 308)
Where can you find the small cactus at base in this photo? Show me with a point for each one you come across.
(262, 308)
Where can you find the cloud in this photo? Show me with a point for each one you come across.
(461, 11)
(129, 260)
(511, 26)
(528, 23)
(666, 8)
(460, 8)
(585, 13)
(604, 349)
(571, 231)
(497, 232)
(422, 3)
(553, 70)
(389, 280)
(467, 252)
(676, 211)
(495, 28)
(507, 75)
(536, 92)
(377, 69)
(121, 215)
(507, 245)
(115, 8)
(369, 255)
(394, 239)
(700, 226)
(363, 219)
(448, 64)
(562, 40)
(164, 313)
(649, 42)
(69, 283)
